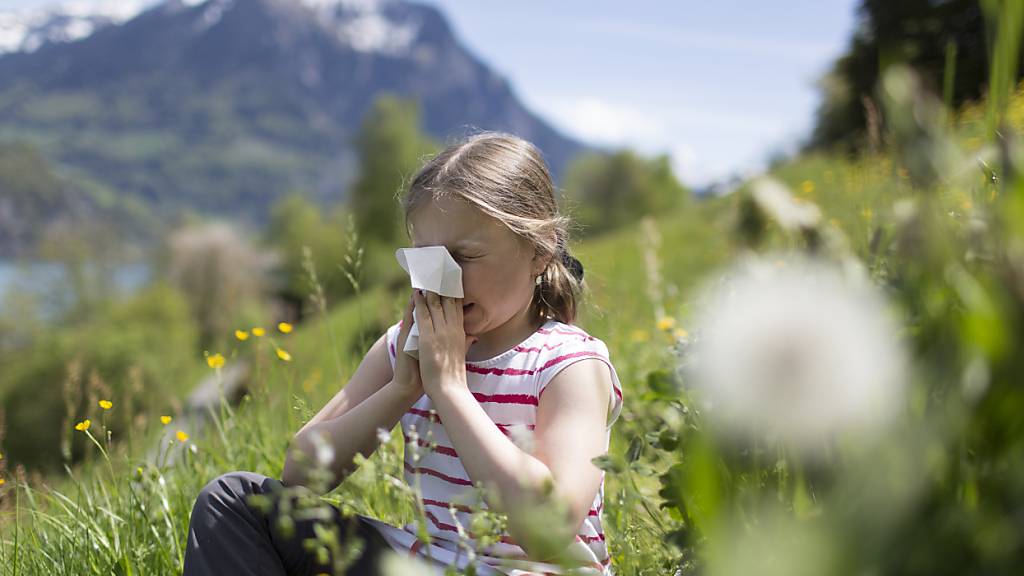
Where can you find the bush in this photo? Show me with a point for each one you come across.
(138, 354)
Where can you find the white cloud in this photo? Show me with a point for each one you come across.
(603, 122)
(697, 141)
(684, 162)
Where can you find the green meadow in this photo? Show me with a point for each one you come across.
(934, 219)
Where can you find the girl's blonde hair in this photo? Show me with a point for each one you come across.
(506, 178)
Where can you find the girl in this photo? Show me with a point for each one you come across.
(507, 394)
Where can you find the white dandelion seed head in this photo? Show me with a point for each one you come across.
(775, 199)
(798, 350)
(383, 436)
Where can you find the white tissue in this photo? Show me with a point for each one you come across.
(433, 269)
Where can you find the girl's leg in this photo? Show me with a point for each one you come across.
(226, 535)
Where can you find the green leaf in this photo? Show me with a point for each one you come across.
(664, 384)
(636, 448)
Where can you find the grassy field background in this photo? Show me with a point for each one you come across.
(125, 512)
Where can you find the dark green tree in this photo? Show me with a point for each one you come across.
(943, 40)
(295, 223)
(391, 147)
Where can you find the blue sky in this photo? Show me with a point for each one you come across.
(719, 86)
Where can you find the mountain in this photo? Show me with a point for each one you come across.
(221, 106)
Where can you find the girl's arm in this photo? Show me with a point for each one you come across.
(374, 397)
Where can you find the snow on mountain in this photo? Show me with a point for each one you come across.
(364, 25)
(27, 30)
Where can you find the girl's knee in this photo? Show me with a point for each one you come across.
(231, 489)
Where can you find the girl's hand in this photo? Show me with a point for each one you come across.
(443, 342)
(407, 368)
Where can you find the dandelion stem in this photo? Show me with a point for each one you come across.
(106, 457)
(218, 422)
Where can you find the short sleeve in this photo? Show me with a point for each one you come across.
(569, 353)
(391, 339)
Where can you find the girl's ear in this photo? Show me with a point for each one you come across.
(540, 263)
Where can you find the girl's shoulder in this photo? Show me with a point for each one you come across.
(561, 345)
(557, 331)
(557, 338)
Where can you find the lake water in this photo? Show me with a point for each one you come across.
(39, 278)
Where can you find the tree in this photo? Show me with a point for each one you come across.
(390, 147)
(605, 191)
(30, 196)
(943, 40)
(295, 223)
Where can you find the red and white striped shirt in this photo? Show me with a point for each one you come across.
(508, 387)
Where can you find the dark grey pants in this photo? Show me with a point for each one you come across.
(227, 534)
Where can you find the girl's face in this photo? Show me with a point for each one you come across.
(498, 267)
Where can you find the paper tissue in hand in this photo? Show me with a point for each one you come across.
(433, 269)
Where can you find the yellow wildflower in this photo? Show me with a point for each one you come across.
(283, 355)
(215, 360)
(83, 425)
(182, 437)
(679, 333)
(867, 213)
(640, 336)
(106, 404)
(2, 481)
(807, 186)
(258, 331)
(666, 323)
(241, 335)
(166, 420)
(285, 327)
